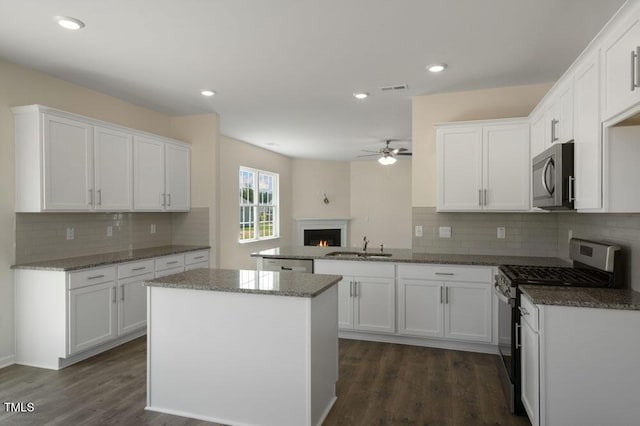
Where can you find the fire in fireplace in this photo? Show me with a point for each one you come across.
(322, 237)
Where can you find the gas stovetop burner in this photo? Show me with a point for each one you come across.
(555, 276)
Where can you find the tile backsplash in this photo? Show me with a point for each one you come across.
(43, 236)
(526, 234)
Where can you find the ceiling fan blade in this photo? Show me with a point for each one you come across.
(368, 150)
(369, 155)
(405, 153)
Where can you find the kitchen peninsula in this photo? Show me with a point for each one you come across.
(242, 346)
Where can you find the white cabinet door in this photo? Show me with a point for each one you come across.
(420, 308)
(113, 170)
(588, 135)
(459, 168)
(178, 175)
(506, 167)
(92, 316)
(132, 305)
(374, 308)
(468, 311)
(345, 304)
(621, 71)
(537, 134)
(68, 164)
(148, 168)
(530, 365)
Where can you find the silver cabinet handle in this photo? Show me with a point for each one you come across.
(634, 55)
(122, 293)
(485, 196)
(572, 182)
(445, 273)
(198, 257)
(169, 196)
(554, 136)
(115, 289)
(518, 326)
(479, 197)
(441, 294)
(95, 277)
(173, 262)
(637, 67)
(446, 295)
(350, 288)
(139, 269)
(524, 311)
(90, 196)
(99, 193)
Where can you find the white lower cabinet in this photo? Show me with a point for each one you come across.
(448, 306)
(366, 294)
(92, 316)
(530, 361)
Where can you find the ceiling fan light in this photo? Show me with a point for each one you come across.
(387, 160)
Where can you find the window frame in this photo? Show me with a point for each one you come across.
(256, 205)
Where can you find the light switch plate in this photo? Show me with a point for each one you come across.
(109, 231)
(444, 232)
(70, 233)
(152, 229)
(419, 231)
(501, 231)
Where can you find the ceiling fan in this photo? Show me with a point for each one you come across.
(387, 154)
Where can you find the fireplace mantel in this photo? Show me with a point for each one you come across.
(321, 223)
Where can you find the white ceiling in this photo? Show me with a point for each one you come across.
(285, 70)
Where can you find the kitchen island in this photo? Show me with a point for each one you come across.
(243, 347)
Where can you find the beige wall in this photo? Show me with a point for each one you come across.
(22, 86)
(233, 154)
(504, 102)
(312, 179)
(381, 204)
(203, 133)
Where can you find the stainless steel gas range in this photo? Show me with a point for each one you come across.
(594, 265)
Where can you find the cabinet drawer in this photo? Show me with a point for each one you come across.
(445, 273)
(170, 271)
(91, 276)
(198, 265)
(169, 262)
(363, 268)
(196, 257)
(529, 312)
(135, 268)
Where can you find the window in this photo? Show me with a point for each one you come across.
(258, 212)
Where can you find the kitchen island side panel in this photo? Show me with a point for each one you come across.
(233, 358)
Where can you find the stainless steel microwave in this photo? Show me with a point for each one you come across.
(553, 178)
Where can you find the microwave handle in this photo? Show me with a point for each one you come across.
(572, 182)
(548, 164)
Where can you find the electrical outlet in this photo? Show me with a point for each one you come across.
(152, 230)
(444, 232)
(501, 231)
(418, 231)
(70, 235)
(109, 231)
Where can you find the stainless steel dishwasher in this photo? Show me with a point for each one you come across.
(298, 265)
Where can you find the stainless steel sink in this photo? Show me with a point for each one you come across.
(372, 255)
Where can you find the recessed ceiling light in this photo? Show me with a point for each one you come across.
(69, 23)
(361, 95)
(435, 68)
(208, 93)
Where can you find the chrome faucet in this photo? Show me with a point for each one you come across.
(365, 243)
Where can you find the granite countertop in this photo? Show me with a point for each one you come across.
(407, 256)
(604, 298)
(91, 261)
(286, 283)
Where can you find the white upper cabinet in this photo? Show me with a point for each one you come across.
(537, 133)
(67, 163)
(483, 166)
(70, 163)
(113, 170)
(162, 175)
(621, 67)
(588, 135)
(148, 166)
(178, 177)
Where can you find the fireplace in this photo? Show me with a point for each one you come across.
(322, 237)
(337, 227)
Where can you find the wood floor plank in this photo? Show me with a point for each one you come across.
(380, 384)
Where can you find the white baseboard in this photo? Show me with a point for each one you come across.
(419, 341)
(7, 361)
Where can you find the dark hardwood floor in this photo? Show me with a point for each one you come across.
(380, 384)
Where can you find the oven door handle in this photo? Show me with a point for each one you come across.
(501, 296)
